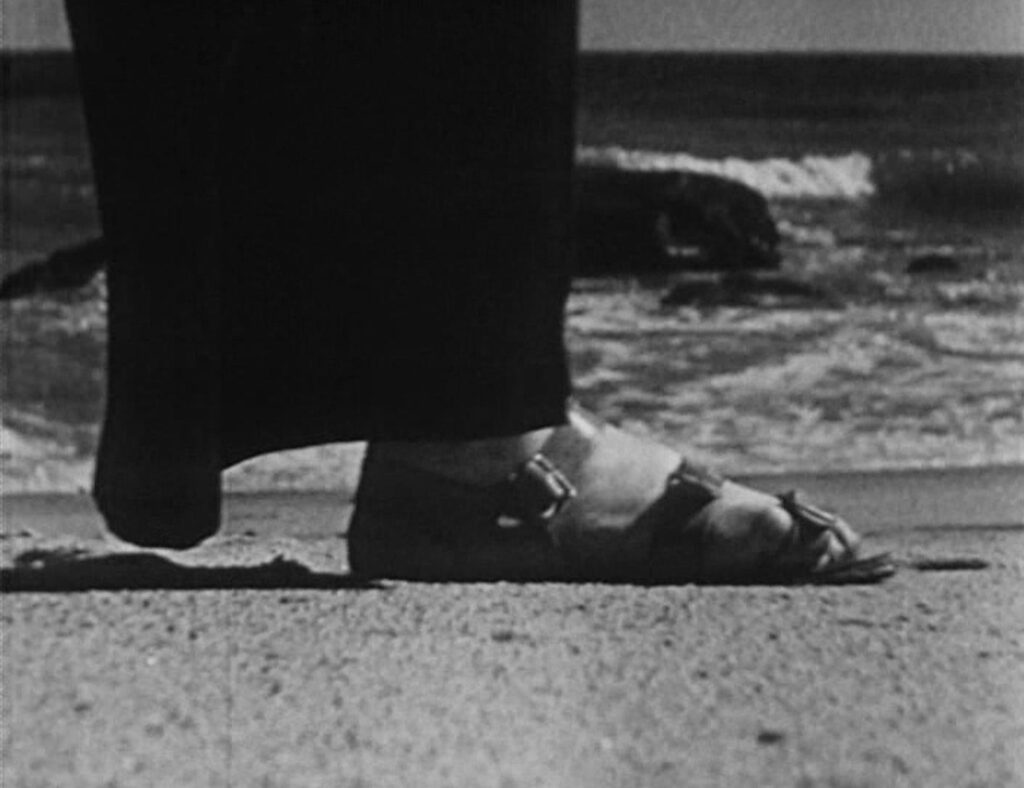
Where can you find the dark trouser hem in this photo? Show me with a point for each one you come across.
(180, 514)
(413, 406)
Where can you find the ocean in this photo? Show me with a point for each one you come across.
(926, 146)
(868, 162)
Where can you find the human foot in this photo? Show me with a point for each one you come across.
(594, 503)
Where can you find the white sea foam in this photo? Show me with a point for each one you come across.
(817, 177)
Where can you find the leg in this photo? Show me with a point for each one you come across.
(148, 76)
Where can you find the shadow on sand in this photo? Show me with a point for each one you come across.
(74, 570)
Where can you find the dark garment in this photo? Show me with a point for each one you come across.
(328, 221)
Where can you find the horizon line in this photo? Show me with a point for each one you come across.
(814, 51)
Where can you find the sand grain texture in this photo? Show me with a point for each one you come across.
(916, 682)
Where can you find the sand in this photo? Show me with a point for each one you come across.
(255, 661)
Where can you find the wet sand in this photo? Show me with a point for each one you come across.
(254, 660)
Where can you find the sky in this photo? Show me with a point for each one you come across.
(818, 25)
(743, 25)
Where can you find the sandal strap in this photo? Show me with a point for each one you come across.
(537, 491)
(534, 494)
(810, 524)
(810, 521)
(674, 539)
(694, 474)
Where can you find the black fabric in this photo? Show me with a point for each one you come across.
(329, 221)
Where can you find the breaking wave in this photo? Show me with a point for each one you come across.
(957, 183)
(818, 177)
(938, 183)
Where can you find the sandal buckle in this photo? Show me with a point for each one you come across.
(534, 494)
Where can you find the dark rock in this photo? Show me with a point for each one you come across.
(750, 289)
(935, 265)
(634, 222)
(768, 736)
(65, 269)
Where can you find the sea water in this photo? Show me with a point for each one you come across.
(867, 161)
(926, 148)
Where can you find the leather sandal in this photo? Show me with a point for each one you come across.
(596, 505)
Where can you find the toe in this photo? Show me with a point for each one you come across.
(749, 535)
(843, 544)
(742, 538)
(820, 534)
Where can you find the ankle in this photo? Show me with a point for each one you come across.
(484, 461)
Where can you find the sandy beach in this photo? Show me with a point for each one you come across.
(254, 660)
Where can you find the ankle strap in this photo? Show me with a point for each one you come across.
(534, 494)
